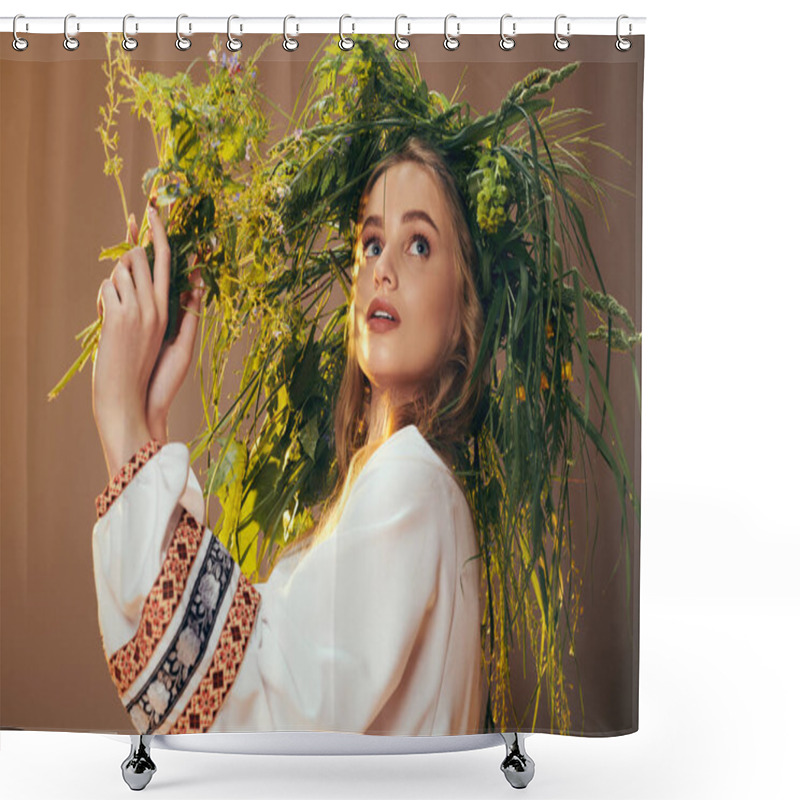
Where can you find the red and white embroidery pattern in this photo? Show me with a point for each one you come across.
(115, 486)
(127, 663)
(202, 709)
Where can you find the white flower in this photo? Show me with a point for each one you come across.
(280, 191)
(212, 55)
(158, 697)
(209, 591)
(188, 647)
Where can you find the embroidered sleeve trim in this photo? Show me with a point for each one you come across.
(175, 673)
(202, 709)
(127, 663)
(125, 475)
(171, 671)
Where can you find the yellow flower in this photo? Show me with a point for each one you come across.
(549, 330)
(566, 371)
(521, 394)
(544, 385)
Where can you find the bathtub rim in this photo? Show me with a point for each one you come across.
(318, 743)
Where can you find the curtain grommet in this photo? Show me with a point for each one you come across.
(70, 42)
(18, 43)
(400, 42)
(182, 43)
(451, 42)
(289, 43)
(622, 44)
(560, 42)
(506, 41)
(233, 44)
(128, 42)
(344, 42)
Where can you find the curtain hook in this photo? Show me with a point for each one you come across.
(70, 42)
(561, 43)
(289, 43)
(451, 42)
(233, 43)
(18, 43)
(128, 42)
(182, 43)
(344, 42)
(623, 44)
(506, 42)
(401, 43)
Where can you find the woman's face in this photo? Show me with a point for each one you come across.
(405, 268)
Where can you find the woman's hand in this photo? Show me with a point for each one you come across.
(174, 359)
(134, 379)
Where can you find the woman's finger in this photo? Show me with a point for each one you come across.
(133, 230)
(107, 298)
(196, 279)
(161, 263)
(140, 271)
(191, 316)
(123, 282)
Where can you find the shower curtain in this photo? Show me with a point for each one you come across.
(345, 435)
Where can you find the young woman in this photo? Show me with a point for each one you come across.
(372, 623)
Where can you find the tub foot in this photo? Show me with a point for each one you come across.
(517, 766)
(138, 768)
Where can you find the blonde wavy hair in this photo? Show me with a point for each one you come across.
(443, 410)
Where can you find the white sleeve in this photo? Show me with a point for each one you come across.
(175, 612)
(335, 638)
(192, 646)
(130, 539)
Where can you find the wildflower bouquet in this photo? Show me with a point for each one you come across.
(273, 231)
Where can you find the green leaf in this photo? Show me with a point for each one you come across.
(247, 537)
(228, 469)
(148, 178)
(522, 302)
(584, 349)
(232, 147)
(308, 437)
(305, 373)
(489, 329)
(115, 252)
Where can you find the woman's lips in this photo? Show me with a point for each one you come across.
(382, 325)
(378, 315)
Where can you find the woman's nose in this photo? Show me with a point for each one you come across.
(384, 268)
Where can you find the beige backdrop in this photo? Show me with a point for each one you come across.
(57, 210)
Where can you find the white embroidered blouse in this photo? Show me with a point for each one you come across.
(375, 629)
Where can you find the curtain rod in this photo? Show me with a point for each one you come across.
(346, 25)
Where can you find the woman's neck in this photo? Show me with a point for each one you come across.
(380, 417)
(382, 422)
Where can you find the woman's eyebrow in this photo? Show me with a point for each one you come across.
(377, 219)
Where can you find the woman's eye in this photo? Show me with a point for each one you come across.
(419, 239)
